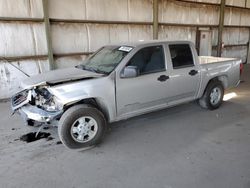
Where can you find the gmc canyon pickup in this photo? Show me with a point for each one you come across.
(122, 81)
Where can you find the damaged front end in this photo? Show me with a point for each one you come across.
(37, 105)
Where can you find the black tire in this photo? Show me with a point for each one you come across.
(72, 115)
(205, 100)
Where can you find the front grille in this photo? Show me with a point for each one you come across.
(19, 98)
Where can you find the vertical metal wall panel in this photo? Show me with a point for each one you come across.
(231, 36)
(65, 62)
(140, 10)
(235, 52)
(245, 18)
(21, 8)
(66, 9)
(243, 36)
(10, 77)
(185, 13)
(69, 38)
(107, 10)
(98, 36)
(248, 4)
(22, 39)
(232, 16)
(177, 33)
(237, 17)
(119, 33)
(234, 36)
(239, 3)
(209, 15)
(174, 12)
(214, 37)
(139, 32)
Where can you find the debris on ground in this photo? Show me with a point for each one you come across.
(50, 138)
(33, 136)
(59, 142)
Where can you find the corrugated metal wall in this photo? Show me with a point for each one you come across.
(80, 27)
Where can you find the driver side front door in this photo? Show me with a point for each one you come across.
(147, 91)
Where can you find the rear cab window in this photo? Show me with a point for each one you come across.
(181, 56)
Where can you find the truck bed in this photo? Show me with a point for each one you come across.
(211, 59)
(227, 69)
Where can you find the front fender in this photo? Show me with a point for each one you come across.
(101, 90)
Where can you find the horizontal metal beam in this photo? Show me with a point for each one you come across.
(231, 46)
(196, 2)
(235, 45)
(67, 21)
(23, 58)
(186, 25)
(43, 57)
(52, 20)
(202, 25)
(237, 26)
(14, 19)
(237, 7)
(210, 4)
(72, 54)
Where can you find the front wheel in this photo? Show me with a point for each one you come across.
(213, 95)
(81, 126)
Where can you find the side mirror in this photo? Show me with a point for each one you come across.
(130, 72)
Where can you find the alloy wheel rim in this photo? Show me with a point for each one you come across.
(84, 129)
(215, 95)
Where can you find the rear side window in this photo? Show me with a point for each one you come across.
(181, 55)
(149, 60)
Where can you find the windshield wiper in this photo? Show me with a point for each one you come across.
(91, 69)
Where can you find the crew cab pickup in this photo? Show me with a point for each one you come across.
(122, 81)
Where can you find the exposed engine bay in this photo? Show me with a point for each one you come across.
(37, 104)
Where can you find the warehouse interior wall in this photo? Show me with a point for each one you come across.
(79, 27)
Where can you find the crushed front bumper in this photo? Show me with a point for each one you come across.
(34, 113)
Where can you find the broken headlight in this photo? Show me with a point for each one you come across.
(20, 98)
(45, 100)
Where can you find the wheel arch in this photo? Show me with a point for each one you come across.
(222, 78)
(95, 102)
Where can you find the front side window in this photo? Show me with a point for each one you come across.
(181, 55)
(149, 60)
(106, 59)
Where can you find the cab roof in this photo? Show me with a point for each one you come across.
(153, 42)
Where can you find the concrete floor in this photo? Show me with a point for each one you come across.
(180, 147)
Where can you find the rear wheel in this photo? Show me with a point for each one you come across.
(81, 126)
(213, 95)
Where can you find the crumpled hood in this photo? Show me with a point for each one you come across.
(58, 76)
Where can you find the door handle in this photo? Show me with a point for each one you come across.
(163, 78)
(193, 72)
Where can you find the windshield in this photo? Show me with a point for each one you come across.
(106, 59)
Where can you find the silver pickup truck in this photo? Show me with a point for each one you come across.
(122, 81)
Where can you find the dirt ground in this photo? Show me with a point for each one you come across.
(180, 147)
